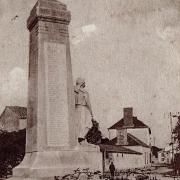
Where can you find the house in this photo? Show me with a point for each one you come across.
(131, 133)
(137, 145)
(119, 155)
(131, 124)
(13, 118)
(132, 155)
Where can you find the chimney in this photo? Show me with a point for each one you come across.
(128, 117)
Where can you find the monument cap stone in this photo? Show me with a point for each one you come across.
(51, 10)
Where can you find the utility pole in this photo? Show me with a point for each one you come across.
(172, 142)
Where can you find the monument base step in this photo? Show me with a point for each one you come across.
(23, 178)
(48, 164)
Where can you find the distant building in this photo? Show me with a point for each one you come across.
(162, 157)
(13, 118)
(131, 133)
(166, 155)
(154, 151)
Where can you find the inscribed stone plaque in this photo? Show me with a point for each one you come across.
(56, 94)
(122, 137)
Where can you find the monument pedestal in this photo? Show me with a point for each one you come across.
(51, 144)
(48, 164)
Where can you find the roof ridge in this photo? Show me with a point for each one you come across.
(138, 140)
(118, 148)
(137, 124)
(17, 106)
(129, 149)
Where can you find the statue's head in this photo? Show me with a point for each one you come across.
(80, 82)
(95, 123)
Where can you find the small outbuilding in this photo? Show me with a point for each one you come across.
(13, 118)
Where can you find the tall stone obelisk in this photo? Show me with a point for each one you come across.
(51, 145)
(50, 108)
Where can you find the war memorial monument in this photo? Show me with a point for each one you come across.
(52, 147)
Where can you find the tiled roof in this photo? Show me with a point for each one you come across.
(137, 124)
(132, 141)
(20, 111)
(117, 149)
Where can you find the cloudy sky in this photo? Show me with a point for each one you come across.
(127, 50)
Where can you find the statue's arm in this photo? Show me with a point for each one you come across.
(89, 104)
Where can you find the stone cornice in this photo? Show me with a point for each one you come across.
(48, 10)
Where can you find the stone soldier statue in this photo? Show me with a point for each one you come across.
(83, 110)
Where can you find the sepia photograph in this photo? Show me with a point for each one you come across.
(90, 89)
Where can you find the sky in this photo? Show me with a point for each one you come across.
(127, 50)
